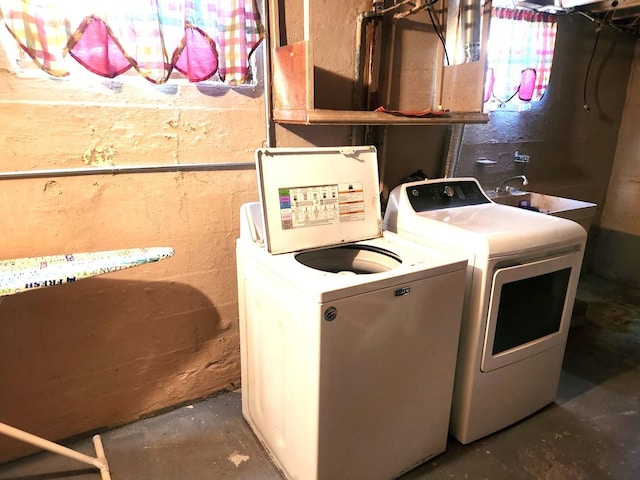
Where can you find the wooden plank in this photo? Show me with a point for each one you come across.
(290, 116)
(419, 78)
(463, 84)
(273, 7)
(414, 72)
(289, 83)
(354, 117)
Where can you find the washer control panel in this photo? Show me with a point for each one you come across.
(445, 194)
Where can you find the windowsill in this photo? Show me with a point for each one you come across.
(507, 107)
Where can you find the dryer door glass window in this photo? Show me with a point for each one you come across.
(529, 309)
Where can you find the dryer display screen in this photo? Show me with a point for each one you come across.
(321, 205)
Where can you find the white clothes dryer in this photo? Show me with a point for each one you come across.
(348, 336)
(523, 270)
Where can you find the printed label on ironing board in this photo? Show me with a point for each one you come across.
(320, 205)
(21, 274)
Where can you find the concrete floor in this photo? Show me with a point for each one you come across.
(591, 432)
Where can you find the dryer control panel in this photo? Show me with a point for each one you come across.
(445, 194)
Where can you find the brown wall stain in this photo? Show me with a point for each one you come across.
(100, 156)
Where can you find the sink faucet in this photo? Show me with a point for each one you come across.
(503, 188)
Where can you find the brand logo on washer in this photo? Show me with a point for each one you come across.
(330, 314)
(403, 291)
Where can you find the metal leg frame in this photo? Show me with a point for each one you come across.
(99, 461)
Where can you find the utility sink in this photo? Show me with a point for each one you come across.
(576, 210)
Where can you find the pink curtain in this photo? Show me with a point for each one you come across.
(520, 54)
(199, 38)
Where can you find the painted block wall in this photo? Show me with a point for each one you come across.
(618, 240)
(623, 197)
(572, 151)
(110, 349)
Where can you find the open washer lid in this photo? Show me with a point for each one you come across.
(318, 197)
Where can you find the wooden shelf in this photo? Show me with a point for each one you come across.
(312, 85)
(357, 117)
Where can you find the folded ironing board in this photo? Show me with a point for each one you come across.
(24, 274)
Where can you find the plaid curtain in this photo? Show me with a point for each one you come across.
(196, 37)
(520, 54)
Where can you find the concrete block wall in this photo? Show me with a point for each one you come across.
(618, 241)
(114, 348)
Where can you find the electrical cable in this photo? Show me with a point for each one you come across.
(586, 77)
(608, 19)
(438, 29)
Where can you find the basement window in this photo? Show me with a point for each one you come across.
(162, 41)
(519, 57)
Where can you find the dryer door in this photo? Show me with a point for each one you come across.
(530, 309)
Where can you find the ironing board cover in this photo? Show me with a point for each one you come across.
(22, 274)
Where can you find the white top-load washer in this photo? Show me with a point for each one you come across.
(348, 335)
(523, 270)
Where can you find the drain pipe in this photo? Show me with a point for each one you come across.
(363, 20)
(266, 73)
(113, 170)
(454, 149)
